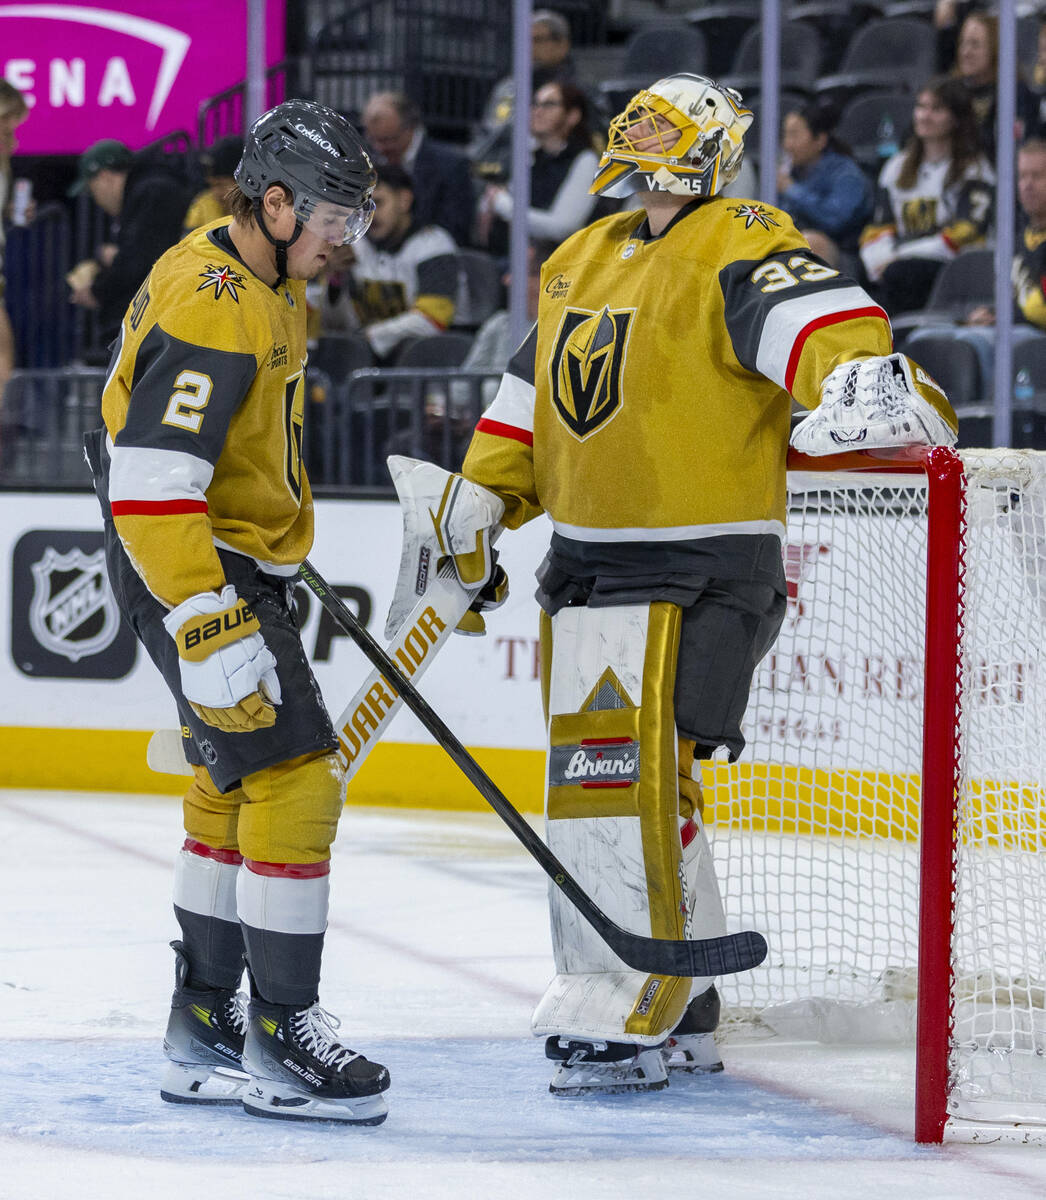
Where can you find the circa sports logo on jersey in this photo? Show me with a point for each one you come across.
(585, 367)
(224, 280)
(753, 214)
(64, 619)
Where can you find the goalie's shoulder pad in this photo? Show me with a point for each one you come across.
(874, 403)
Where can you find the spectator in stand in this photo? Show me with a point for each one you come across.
(977, 65)
(443, 192)
(397, 283)
(934, 198)
(219, 163)
(146, 195)
(13, 111)
(561, 171)
(1029, 264)
(820, 185)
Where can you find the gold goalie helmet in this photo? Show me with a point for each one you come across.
(684, 134)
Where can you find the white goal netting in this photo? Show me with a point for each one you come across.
(816, 831)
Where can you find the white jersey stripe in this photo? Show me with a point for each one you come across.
(513, 404)
(668, 533)
(787, 320)
(143, 473)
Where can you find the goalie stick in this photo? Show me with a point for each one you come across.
(659, 956)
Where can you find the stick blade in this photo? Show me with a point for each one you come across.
(724, 955)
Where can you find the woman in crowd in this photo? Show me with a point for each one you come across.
(977, 65)
(561, 170)
(934, 198)
(820, 185)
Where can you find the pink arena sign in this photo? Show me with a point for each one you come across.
(135, 70)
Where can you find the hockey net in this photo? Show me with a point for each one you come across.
(905, 696)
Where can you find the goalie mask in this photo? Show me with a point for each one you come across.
(684, 134)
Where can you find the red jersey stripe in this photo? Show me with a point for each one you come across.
(820, 323)
(232, 857)
(497, 429)
(156, 508)
(289, 870)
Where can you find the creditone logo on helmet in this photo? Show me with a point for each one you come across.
(318, 138)
(585, 367)
(684, 134)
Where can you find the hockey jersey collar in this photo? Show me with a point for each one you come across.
(642, 231)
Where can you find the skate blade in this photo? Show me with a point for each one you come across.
(608, 1089)
(693, 1068)
(281, 1103)
(189, 1083)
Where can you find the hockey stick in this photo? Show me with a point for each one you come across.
(659, 956)
(369, 713)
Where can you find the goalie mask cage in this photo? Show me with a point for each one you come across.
(885, 827)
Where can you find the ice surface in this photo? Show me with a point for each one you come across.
(436, 953)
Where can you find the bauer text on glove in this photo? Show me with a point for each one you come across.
(228, 674)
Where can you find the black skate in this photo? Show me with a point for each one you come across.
(601, 1067)
(691, 1046)
(300, 1072)
(204, 1041)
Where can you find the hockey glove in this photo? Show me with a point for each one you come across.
(876, 403)
(492, 594)
(228, 673)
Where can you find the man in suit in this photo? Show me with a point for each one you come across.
(442, 181)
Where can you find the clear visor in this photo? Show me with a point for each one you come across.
(336, 224)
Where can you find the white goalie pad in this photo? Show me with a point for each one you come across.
(873, 404)
(444, 516)
(612, 818)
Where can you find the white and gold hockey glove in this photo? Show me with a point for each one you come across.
(875, 403)
(228, 673)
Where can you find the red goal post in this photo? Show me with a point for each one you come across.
(883, 825)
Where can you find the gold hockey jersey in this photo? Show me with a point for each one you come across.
(203, 408)
(649, 407)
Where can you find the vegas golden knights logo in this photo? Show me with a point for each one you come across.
(586, 367)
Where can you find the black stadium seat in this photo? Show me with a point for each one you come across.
(895, 52)
(651, 54)
(801, 53)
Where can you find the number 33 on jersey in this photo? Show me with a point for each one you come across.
(206, 351)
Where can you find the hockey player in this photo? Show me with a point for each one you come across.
(648, 414)
(208, 514)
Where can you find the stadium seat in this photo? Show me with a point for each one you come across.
(801, 53)
(440, 350)
(481, 291)
(895, 52)
(836, 21)
(875, 126)
(338, 355)
(964, 282)
(951, 361)
(723, 25)
(651, 54)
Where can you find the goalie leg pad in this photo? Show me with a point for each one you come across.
(612, 817)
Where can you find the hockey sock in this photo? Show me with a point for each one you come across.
(205, 907)
(283, 913)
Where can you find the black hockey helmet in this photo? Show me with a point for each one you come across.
(316, 154)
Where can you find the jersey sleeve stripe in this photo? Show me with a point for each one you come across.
(513, 405)
(498, 429)
(790, 322)
(144, 474)
(873, 310)
(141, 508)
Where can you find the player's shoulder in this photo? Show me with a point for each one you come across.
(205, 295)
(729, 228)
(606, 233)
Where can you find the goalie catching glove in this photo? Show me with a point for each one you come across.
(876, 403)
(228, 673)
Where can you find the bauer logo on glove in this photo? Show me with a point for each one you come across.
(202, 635)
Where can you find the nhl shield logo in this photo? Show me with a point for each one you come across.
(72, 613)
(585, 367)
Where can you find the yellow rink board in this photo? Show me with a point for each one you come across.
(773, 798)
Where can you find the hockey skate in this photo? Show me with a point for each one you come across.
(300, 1072)
(204, 1041)
(691, 1046)
(604, 1067)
